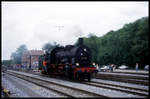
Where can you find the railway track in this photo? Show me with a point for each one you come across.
(142, 80)
(121, 88)
(126, 89)
(130, 90)
(62, 89)
(134, 81)
(122, 75)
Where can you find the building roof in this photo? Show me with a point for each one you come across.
(34, 52)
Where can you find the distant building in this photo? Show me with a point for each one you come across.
(31, 56)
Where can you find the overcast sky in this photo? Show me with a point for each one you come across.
(36, 23)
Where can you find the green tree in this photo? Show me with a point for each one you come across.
(127, 45)
(16, 56)
(92, 43)
(7, 62)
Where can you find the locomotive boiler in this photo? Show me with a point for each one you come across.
(71, 61)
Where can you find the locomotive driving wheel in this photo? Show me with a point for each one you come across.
(89, 77)
(43, 72)
(77, 76)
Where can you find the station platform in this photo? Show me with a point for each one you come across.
(128, 71)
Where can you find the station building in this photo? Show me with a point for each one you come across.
(31, 57)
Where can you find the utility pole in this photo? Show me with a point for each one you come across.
(30, 63)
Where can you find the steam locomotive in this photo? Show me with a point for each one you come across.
(74, 62)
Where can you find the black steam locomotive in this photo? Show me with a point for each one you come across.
(72, 61)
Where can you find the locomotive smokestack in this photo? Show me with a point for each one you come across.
(80, 41)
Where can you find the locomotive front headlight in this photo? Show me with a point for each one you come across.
(85, 49)
(77, 64)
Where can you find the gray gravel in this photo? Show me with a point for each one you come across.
(13, 89)
(22, 88)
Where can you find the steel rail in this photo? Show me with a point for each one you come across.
(121, 86)
(134, 81)
(128, 76)
(39, 84)
(45, 84)
(118, 88)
